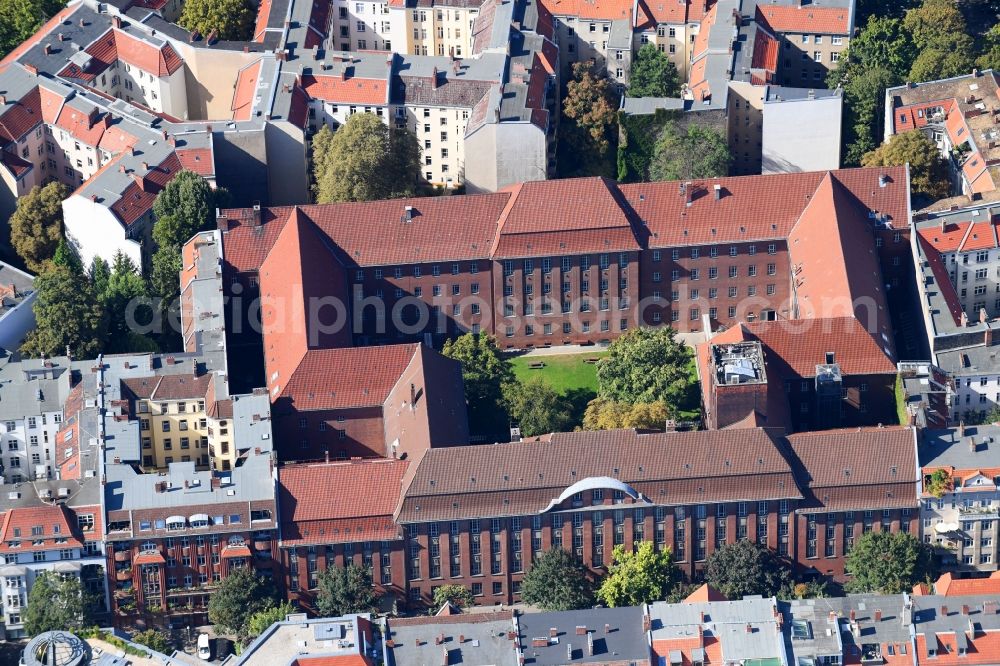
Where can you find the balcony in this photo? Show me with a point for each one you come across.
(979, 512)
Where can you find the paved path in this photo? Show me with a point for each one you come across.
(690, 339)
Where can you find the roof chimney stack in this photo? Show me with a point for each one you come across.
(718, 191)
(434, 78)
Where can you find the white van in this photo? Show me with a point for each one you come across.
(204, 647)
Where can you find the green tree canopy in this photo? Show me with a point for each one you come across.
(888, 563)
(647, 365)
(364, 160)
(456, 595)
(638, 577)
(56, 603)
(485, 374)
(120, 287)
(693, 152)
(557, 582)
(989, 49)
(928, 170)
(864, 102)
(605, 414)
(744, 568)
(537, 407)
(154, 640)
(653, 74)
(227, 19)
(344, 590)
(935, 23)
(589, 102)
(258, 623)
(242, 594)
(67, 315)
(36, 224)
(884, 43)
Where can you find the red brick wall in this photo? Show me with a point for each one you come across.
(361, 433)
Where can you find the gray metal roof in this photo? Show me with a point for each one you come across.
(971, 447)
(485, 641)
(647, 106)
(624, 639)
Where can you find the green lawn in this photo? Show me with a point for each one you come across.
(564, 372)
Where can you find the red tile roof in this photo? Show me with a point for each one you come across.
(149, 557)
(52, 522)
(350, 90)
(542, 218)
(246, 86)
(756, 207)
(348, 377)
(162, 61)
(198, 160)
(805, 19)
(263, 14)
(800, 345)
(19, 117)
(168, 387)
(765, 52)
(982, 647)
(949, 586)
(599, 10)
(138, 197)
(942, 279)
(341, 501)
(14, 164)
(836, 267)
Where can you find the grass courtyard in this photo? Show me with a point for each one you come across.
(563, 373)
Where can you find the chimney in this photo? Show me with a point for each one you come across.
(47, 49)
(965, 609)
(31, 70)
(853, 615)
(972, 445)
(749, 628)
(989, 608)
(961, 428)
(988, 337)
(83, 23)
(907, 614)
(343, 74)
(3, 100)
(444, 656)
(326, 455)
(607, 628)
(581, 630)
(116, 21)
(590, 645)
(833, 616)
(883, 180)
(553, 632)
(439, 639)
(718, 191)
(647, 623)
(540, 642)
(964, 320)
(878, 614)
(569, 652)
(688, 192)
(434, 78)
(461, 638)
(944, 611)
(982, 316)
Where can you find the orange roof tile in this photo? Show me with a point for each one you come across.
(351, 90)
(983, 648)
(138, 197)
(599, 10)
(949, 586)
(805, 19)
(348, 377)
(705, 593)
(39, 527)
(246, 86)
(198, 160)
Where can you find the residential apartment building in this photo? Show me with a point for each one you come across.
(55, 523)
(812, 37)
(958, 115)
(961, 517)
(32, 395)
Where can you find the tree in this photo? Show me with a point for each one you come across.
(36, 224)
(989, 49)
(57, 603)
(694, 152)
(864, 99)
(485, 374)
(258, 623)
(943, 62)
(226, 19)
(537, 408)
(888, 563)
(589, 103)
(745, 568)
(605, 414)
(934, 23)
(365, 160)
(19, 19)
(938, 483)
(647, 365)
(653, 74)
(638, 577)
(241, 595)
(154, 640)
(557, 582)
(67, 315)
(456, 595)
(344, 590)
(884, 43)
(928, 170)
(122, 286)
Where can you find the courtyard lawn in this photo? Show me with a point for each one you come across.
(565, 372)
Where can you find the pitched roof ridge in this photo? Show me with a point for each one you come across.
(514, 191)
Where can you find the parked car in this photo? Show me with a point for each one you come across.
(204, 647)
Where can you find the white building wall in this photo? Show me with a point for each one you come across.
(801, 135)
(29, 446)
(94, 231)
